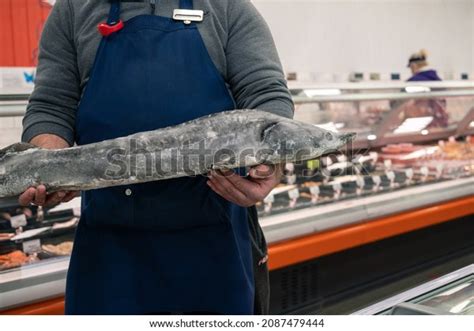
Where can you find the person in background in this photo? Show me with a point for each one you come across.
(418, 64)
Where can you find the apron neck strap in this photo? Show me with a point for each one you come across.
(186, 4)
(114, 14)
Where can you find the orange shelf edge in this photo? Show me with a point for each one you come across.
(49, 307)
(325, 243)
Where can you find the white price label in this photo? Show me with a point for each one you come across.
(290, 180)
(294, 194)
(439, 169)
(390, 175)
(376, 180)
(387, 164)
(326, 161)
(409, 173)
(424, 171)
(31, 246)
(290, 167)
(336, 187)
(341, 158)
(360, 182)
(314, 190)
(269, 199)
(76, 211)
(18, 220)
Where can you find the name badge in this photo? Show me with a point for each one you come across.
(188, 15)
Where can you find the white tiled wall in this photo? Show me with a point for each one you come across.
(10, 130)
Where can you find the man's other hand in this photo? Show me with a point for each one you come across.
(245, 192)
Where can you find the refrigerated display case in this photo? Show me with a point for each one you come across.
(411, 167)
(450, 294)
(399, 161)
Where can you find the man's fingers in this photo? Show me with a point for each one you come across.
(40, 196)
(27, 198)
(228, 191)
(224, 185)
(235, 183)
(223, 194)
(69, 196)
(54, 198)
(262, 171)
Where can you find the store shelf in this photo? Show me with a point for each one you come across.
(379, 85)
(12, 108)
(33, 283)
(352, 211)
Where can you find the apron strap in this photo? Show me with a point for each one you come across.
(114, 14)
(186, 4)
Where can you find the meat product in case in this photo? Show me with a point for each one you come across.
(14, 259)
(62, 249)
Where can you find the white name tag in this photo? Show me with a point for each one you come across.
(188, 16)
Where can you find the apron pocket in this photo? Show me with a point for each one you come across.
(172, 205)
(108, 207)
(179, 204)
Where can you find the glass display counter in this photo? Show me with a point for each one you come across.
(413, 149)
(450, 294)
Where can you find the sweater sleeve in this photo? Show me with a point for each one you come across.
(254, 71)
(52, 105)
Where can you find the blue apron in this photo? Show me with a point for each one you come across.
(169, 246)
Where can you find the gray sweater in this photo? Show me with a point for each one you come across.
(236, 37)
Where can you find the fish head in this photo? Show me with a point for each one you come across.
(298, 141)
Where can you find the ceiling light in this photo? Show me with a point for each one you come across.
(371, 137)
(417, 89)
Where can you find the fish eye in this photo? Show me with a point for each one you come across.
(329, 136)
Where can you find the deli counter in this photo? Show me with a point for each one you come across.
(401, 196)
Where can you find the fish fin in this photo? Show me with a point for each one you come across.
(16, 148)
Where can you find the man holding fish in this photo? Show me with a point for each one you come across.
(109, 69)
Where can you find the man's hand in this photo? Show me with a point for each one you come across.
(246, 192)
(38, 195)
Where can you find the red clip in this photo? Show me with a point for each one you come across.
(107, 29)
